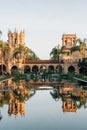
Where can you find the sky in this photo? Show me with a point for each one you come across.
(44, 21)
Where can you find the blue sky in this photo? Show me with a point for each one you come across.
(44, 21)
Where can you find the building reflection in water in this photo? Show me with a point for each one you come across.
(73, 96)
(16, 106)
(69, 106)
(15, 94)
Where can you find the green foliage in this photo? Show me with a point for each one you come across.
(82, 45)
(68, 76)
(32, 56)
(7, 97)
(19, 51)
(24, 52)
(5, 77)
(75, 48)
(54, 54)
(83, 63)
(83, 66)
(18, 76)
(4, 47)
(2, 102)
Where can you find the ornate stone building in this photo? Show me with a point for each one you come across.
(69, 106)
(16, 39)
(69, 41)
(70, 59)
(10, 63)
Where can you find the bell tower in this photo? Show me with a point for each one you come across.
(69, 40)
(15, 39)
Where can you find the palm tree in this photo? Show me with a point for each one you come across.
(54, 53)
(31, 55)
(74, 48)
(24, 53)
(21, 53)
(82, 45)
(18, 52)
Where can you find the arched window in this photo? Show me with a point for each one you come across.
(14, 69)
(71, 69)
(26, 69)
(43, 68)
(59, 69)
(51, 68)
(35, 69)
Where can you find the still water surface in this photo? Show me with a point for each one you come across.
(43, 107)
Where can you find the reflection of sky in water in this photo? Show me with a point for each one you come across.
(44, 113)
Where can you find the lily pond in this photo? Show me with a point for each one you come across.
(29, 105)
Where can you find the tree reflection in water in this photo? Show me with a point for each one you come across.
(73, 97)
(15, 94)
(0, 115)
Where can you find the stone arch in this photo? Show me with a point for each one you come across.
(14, 69)
(51, 68)
(43, 68)
(59, 69)
(2, 68)
(35, 69)
(71, 69)
(27, 69)
(83, 70)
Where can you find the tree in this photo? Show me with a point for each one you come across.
(32, 55)
(54, 53)
(82, 45)
(74, 48)
(19, 52)
(25, 53)
(83, 66)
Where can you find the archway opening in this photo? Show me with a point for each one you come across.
(51, 69)
(14, 69)
(35, 69)
(71, 69)
(26, 69)
(59, 69)
(43, 68)
(2, 69)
